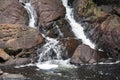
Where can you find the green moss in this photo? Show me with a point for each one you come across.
(89, 8)
(86, 7)
(97, 11)
(91, 3)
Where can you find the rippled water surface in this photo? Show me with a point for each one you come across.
(89, 72)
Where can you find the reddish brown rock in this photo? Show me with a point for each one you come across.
(16, 37)
(70, 44)
(48, 10)
(12, 12)
(84, 54)
(4, 55)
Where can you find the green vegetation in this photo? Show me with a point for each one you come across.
(89, 8)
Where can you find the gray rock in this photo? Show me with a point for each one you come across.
(1, 72)
(16, 62)
(84, 54)
(7, 76)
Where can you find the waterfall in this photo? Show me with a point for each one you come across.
(31, 12)
(50, 52)
(60, 33)
(76, 27)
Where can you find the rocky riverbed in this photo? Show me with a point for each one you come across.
(21, 43)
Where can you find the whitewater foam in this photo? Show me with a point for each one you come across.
(31, 12)
(76, 27)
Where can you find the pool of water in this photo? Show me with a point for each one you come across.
(86, 72)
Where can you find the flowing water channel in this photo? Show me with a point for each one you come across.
(51, 66)
(31, 12)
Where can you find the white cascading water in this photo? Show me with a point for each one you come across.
(76, 27)
(30, 10)
(46, 54)
(54, 44)
(46, 59)
(60, 33)
(50, 53)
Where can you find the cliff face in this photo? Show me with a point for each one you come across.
(102, 23)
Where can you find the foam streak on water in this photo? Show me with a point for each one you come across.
(76, 27)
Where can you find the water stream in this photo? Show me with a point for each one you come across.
(53, 46)
(50, 55)
(76, 27)
(31, 12)
(51, 52)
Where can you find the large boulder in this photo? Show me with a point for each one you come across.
(85, 55)
(110, 41)
(14, 37)
(12, 12)
(48, 11)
